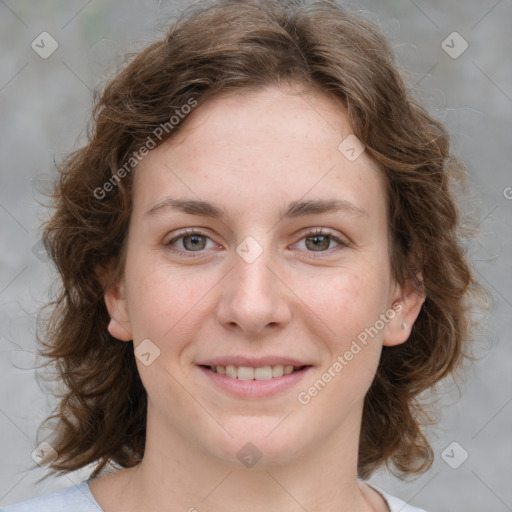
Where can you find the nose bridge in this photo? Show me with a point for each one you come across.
(253, 296)
(254, 277)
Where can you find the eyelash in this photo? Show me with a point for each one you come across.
(190, 254)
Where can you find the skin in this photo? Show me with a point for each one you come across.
(252, 154)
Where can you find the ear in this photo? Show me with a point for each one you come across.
(115, 299)
(407, 301)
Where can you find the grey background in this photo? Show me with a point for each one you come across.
(45, 106)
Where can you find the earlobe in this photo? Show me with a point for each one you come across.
(118, 330)
(115, 300)
(407, 306)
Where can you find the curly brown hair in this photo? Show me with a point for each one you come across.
(235, 45)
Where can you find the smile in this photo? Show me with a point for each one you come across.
(254, 381)
(250, 373)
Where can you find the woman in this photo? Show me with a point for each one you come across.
(261, 271)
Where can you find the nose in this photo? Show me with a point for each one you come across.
(254, 297)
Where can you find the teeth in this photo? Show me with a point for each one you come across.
(264, 373)
(277, 371)
(245, 373)
(231, 371)
(287, 370)
(248, 373)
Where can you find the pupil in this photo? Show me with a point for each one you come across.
(196, 243)
(323, 242)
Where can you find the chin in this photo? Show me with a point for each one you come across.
(261, 442)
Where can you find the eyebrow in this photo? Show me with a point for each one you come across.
(294, 209)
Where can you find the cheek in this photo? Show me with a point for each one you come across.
(350, 306)
(166, 308)
(165, 300)
(344, 301)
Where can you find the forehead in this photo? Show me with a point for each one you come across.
(272, 142)
(257, 116)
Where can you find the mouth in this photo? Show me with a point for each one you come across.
(249, 376)
(255, 373)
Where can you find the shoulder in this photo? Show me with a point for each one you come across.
(77, 498)
(395, 504)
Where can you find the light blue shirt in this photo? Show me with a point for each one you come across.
(78, 498)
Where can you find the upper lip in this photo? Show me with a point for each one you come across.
(253, 362)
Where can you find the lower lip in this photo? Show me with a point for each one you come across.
(255, 388)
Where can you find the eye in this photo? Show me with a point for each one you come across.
(195, 241)
(319, 240)
(192, 241)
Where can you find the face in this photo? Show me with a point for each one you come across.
(256, 280)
